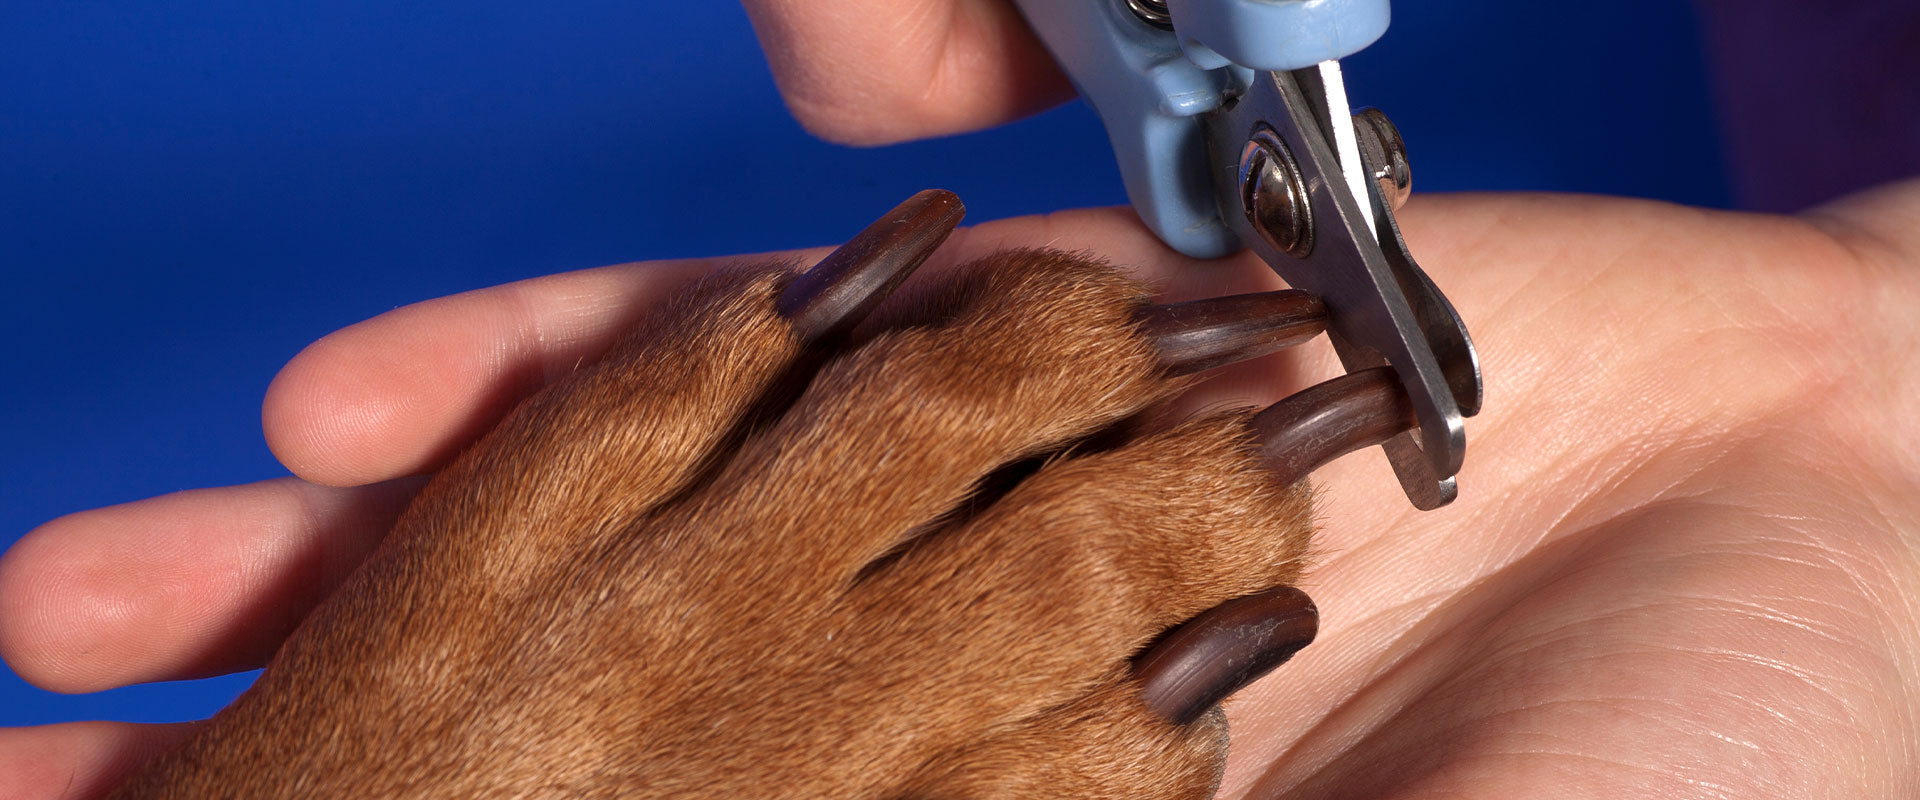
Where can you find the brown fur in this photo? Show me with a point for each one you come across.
(653, 580)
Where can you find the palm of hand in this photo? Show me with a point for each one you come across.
(1683, 564)
(1678, 567)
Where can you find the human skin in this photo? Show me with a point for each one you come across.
(1816, 99)
(1683, 565)
(1799, 389)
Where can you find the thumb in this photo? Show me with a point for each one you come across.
(870, 72)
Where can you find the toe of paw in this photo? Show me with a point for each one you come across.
(1106, 745)
(1044, 329)
(1162, 528)
(608, 441)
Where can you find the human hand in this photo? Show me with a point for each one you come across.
(880, 71)
(1683, 563)
(1685, 559)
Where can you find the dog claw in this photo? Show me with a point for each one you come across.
(1211, 656)
(1204, 334)
(827, 301)
(1321, 423)
(1219, 652)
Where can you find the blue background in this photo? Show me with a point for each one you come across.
(190, 192)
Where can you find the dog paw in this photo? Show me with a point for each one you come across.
(761, 549)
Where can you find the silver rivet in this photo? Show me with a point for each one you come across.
(1152, 12)
(1383, 149)
(1274, 195)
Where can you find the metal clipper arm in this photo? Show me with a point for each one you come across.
(1151, 79)
(1232, 131)
(1281, 187)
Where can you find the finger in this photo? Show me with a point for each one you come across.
(184, 585)
(333, 415)
(399, 394)
(880, 71)
(77, 760)
(242, 566)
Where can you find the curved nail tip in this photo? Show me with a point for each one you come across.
(837, 293)
(1318, 424)
(1205, 334)
(1223, 650)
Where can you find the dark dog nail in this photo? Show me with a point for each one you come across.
(1213, 655)
(829, 300)
(1322, 423)
(1204, 334)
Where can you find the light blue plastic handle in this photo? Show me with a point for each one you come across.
(1150, 86)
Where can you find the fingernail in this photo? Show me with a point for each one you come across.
(1211, 656)
(1204, 334)
(829, 300)
(1324, 422)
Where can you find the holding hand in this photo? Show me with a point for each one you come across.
(1686, 544)
(879, 71)
(1685, 562)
